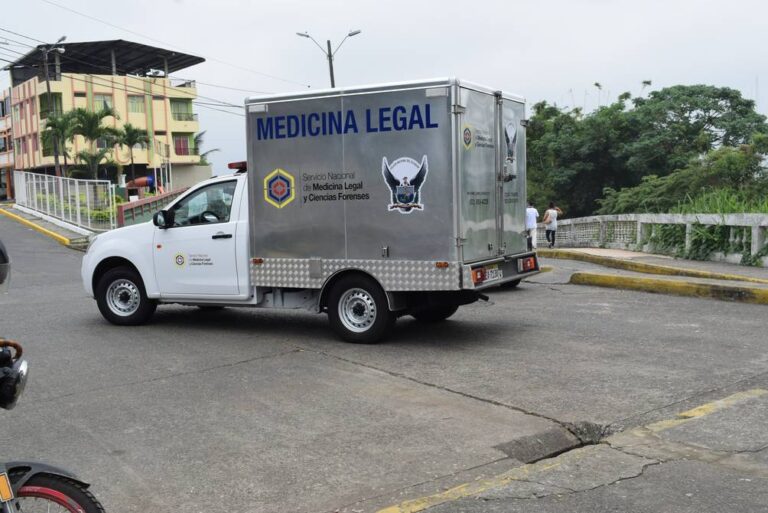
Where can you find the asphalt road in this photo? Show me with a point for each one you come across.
(260, 411)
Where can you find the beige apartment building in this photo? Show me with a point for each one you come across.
(133, 79)
(6, 145)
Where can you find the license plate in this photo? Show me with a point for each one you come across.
(492, 272)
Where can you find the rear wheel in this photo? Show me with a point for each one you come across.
(122, 299)
(50, 493)
(434, 313)
(358, 310)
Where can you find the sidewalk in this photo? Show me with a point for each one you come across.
(655, 273)
(62, 235)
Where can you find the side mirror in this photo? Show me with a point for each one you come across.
(163, 219)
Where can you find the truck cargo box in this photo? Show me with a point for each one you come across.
(391, 179)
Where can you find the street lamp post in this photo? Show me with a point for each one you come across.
(328, 53)
(46, 50)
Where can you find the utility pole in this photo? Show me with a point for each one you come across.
(330, 63)
(328, 53)
(46, 50)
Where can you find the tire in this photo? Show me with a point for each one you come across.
(358, 310)
(122, 299)
(435, 313)
(45, 490)
(511, 284)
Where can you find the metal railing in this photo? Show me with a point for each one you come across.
(186, 150)
(89, 204)
(637, 231)
(184, 116)
(177, 82)
(142, 210)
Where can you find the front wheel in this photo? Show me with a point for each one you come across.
(434, 313)
(358, 310)
(122, 299)
(51, 493)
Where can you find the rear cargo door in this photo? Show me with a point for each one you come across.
(512, 193)
(477, 154)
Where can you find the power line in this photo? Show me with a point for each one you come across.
(173, 45)
(109, 68)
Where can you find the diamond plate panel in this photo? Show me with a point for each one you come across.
(394, 275)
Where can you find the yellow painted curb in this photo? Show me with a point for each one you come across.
(677, 288)
(49, 233)
(642, 267)
(529, 472)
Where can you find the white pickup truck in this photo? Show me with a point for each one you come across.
(367, 203)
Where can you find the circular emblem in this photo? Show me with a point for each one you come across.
(467, 136)
(179, 259)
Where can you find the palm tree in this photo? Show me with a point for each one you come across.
(199, 137)
(59, 127)
(88, 124)
(89, 161)
(131, 136)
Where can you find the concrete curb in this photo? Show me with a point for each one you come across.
(677, 288)
(642, 267)
(59, 238)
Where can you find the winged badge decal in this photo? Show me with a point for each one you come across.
(405, 177)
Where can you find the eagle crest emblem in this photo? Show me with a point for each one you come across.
(405, 177)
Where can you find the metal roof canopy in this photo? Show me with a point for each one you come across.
(95, 57)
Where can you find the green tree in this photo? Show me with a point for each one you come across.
(726, 171)
(198, 143)
(680, 122)
(88, 124)
(59, 126)
(131, 137)
(88, 163)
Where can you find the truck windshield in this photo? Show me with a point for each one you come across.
(210, 204)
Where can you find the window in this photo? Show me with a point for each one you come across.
(102, 101)
(211, 204)
(34, 143)
(181, 145)
(54, 108)
(181, 110)
(159, 132)
(80, 95)
(23, 144)
(102, 143)
(16, 114)
(32, 103)
(136, 104)
(17, 145)
(47, 143)
(3, 145)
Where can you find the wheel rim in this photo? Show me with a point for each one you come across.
(123, 297)
(357, 310)
(36, 498)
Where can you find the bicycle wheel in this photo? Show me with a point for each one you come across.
(51, 493)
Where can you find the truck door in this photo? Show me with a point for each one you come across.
(478, 154)
(196, 257)
(511, 175)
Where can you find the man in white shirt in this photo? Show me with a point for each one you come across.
(531, 217)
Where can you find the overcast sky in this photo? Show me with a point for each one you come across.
(552, 50)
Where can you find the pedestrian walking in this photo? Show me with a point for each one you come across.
(550, 222)
(531, 219)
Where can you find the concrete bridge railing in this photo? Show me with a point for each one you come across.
(638, 232)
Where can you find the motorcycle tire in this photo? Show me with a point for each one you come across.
(45, 490)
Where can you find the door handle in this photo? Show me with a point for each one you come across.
(222, 236)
